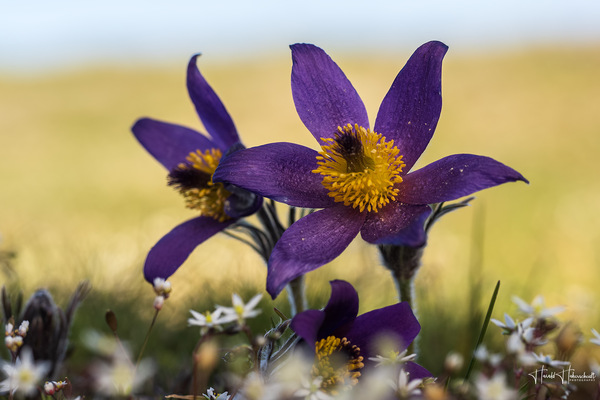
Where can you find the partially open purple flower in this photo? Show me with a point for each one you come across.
(191, 159)
(338, 330)
(360, 177)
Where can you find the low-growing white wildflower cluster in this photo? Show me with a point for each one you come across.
(276, 367)
(526, 369)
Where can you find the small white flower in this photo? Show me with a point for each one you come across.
(206, 320)
(101, 344)
(293, 375)
(24, 375)
(394, 358)
(508, 324)
(23, 328)
(516, 346)
(255, 388)
(311, 390)
(13, 342)
(494, 388)
(210, 395)
(49, 388)
(240, 310)
(405, 387)
(60, 384)
(8, 330)
(596, 339)
(547, 360)
(120, 376)
(482, 355)
(454, 361)
(375, 383)
(537, 308)
(511, 325)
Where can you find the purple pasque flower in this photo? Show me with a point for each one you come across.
(191, 159)
(360, 178)
(338, 330)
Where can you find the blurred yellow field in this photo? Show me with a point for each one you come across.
(80, 198)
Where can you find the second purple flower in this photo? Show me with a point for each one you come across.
(191, 159)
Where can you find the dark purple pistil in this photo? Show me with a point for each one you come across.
(185, 177)
(351, 148)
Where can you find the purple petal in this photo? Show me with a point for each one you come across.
(170, 144)
(453, 177)
(410, 110)
(416, 371)
(341, 309)
(307, 324)
(280, 171)
(324, 97)
(396, 321)
(311, 242)
(174, 248)
(398, 224)
(210, 109)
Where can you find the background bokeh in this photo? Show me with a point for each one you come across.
(80, 199)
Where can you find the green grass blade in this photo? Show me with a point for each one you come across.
(486, 322)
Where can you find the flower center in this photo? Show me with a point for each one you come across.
(337, 362)
(26, 377)
(239, 309)
(209, 318)
(360, 168)
(194, 181)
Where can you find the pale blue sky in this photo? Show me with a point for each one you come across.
(37, 35)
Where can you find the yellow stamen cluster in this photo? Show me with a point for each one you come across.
(209, 318)
(337, 362)
(360, 168)
(210, 199)
(207, 161)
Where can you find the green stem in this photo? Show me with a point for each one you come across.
(137, 363)
(296, 295)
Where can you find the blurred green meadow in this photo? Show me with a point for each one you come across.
(81, 199)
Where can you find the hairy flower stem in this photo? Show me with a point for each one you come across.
(406, 292)
(404, 262)
(296, 295)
